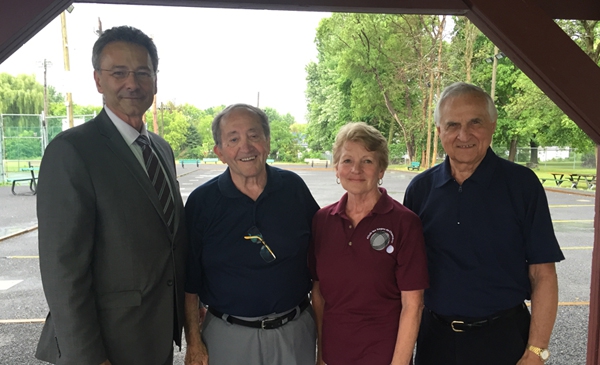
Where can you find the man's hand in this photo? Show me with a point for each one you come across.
(529, 358)
(106, 362)
(201, 314)
(196, 354)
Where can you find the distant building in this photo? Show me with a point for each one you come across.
(553, 152)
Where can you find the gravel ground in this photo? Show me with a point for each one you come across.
(572, 215)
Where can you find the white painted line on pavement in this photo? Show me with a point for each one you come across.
(32, 320)
(7, 284)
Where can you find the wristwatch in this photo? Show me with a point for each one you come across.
(544, 354)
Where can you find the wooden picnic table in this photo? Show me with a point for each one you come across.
(574, 179)
(588, 179)
(557, 177)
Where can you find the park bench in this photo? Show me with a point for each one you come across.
(190, 161)
(414, 166)
(210, 159)
(316, 161)
(32, 178)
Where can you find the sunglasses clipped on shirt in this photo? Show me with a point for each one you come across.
(255, 236)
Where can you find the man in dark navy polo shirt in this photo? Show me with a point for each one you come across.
(490, 245)
(249, 233)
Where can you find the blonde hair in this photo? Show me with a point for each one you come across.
(366, 135)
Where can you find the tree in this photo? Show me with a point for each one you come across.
(24, 146)
(193, 142)
(284, 146)
(176, 128)
(328, 97)
(373, 68)
(20, 95)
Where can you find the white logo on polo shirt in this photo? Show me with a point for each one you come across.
(380, 238)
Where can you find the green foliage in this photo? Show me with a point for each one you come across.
(176, 128)
(377, 68)
(396, 151)
(20, 95)
(536, 118)
(373, 68)
(26, 146)
(193, 142)
(284, 145)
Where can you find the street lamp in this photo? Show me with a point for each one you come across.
(498, 56)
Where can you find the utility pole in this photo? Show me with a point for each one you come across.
(494, 67)
(99, 33)
(46, 64)
(63, 23)
(155, 117)
(258, 99)
(162, 118)
(45, 119)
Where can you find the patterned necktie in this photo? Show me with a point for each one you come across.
(158, 179)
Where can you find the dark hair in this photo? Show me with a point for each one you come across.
(216, 124)
(124, 33)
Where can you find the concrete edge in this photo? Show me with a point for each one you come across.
(590, 194)
(18, 233)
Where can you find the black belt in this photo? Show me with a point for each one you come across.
(462, 325)
(267, 323)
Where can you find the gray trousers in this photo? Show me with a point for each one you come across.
(231, 344)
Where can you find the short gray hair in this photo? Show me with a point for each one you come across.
(462, 88)
(216, 124)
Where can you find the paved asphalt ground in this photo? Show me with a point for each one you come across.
(23, 306)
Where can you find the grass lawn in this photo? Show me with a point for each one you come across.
(543, 171)
(15, 165)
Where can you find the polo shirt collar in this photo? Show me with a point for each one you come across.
(228, 188)
(383, 205)
(482, 174)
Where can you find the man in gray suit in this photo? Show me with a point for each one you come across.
(112, 242)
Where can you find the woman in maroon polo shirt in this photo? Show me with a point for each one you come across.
(367, 258)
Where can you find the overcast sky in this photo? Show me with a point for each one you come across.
(207, 57)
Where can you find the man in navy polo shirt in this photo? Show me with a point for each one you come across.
(249, 232)
(490, 245)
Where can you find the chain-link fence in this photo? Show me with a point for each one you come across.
(563, 158)
(24, 137)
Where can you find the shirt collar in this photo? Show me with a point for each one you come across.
(383, 205)
(128, 133)
(228, 188)
(482, 174)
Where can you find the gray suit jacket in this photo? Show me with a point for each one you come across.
(112, 272)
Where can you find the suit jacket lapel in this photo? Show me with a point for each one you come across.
(117, 144)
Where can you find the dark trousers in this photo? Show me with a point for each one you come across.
(501, 343)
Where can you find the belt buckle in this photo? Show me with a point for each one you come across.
(454, 328)
(262, 323)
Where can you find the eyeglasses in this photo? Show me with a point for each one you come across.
(255, 236)
(122, 74)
